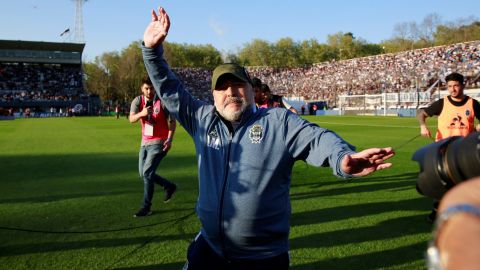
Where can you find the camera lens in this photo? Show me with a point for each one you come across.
(462, 159)
(446, 163)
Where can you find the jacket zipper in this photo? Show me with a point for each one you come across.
(222, 197)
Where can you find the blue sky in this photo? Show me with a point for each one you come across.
(111, 25)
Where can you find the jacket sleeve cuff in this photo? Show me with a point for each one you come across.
(339, 172)
(151, 53)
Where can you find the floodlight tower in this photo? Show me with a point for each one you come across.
(79, 36)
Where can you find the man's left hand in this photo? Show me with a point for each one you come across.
(367, 161)
(167, 144)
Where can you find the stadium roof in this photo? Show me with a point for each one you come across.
(40, 52)
(41, 46)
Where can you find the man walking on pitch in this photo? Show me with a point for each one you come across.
(158, 128)
(245, 162)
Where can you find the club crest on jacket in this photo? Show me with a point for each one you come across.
(256, 133)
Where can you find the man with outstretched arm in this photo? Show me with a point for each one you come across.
(245, 161)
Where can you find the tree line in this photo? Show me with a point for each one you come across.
(116, 76)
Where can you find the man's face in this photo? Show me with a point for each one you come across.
(148, 91)
(266, 96)
(455, 89)
(232, 97)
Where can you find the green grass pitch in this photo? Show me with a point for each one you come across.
(69, 188)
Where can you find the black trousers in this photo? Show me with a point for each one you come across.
(200, 256)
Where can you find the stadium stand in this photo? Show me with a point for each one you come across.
(421, 69)
(391, 73)
(48, 77)
(197, 81)
(42, 78)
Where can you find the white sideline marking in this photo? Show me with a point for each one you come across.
(363, 125)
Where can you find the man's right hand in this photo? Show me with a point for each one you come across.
(145, 111)
(425, 132)
(157, 30)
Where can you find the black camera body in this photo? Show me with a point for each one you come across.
(448, 162)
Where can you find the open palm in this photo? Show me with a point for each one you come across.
(367, 161)
(157, 30)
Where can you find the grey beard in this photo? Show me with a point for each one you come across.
(233, 115)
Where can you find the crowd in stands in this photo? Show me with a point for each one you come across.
(11, 96)
(20, 82)
(197, 81)
(391, 73)
(400, 72)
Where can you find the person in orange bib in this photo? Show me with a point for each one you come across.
(456, 112)
(456, 115)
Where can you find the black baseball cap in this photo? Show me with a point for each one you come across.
(230, 68)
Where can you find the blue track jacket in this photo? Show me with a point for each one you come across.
(244, 176)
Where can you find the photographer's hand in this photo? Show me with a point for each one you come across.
(458, 239)
(145, 111)
(167, 145)
(367, 161)
(134, 117)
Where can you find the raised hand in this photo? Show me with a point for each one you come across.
(157, 30)
(367, 161)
